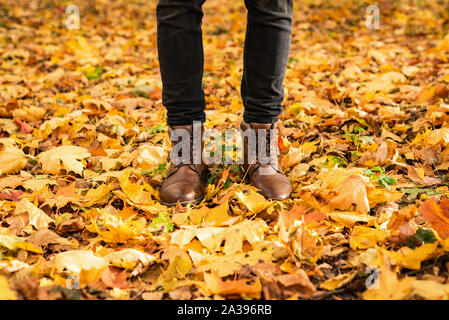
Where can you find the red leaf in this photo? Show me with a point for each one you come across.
(24, 127)
(13, 196)
(156, 94)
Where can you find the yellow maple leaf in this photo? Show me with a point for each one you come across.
(80, 263)
(37, 218)
(128, 258)
(5, 291)
(252, 200)
(117, 228)
(63, 157)
(12, 159)
(338, 281)
(364, 237)
(226, 265)
(94, 195)
(211, 237)
(177, 269)
(389, 287)
(136, 193)
(412, 258)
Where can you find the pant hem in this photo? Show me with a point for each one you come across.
(183, 122)
(266, 120)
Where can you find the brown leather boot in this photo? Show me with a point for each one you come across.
(185, 181)
(266, 176)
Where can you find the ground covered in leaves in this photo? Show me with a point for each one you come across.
(365, 141)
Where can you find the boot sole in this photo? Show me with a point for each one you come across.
(184, 203)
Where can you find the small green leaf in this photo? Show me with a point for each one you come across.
(421, 236)
(389, 180)
(95, 74)
(227, 184)
(163, 220)
(425, 235)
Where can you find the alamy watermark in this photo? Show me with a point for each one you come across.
(72, 22)
(372, 17)
(72, 282)
(259, 146)
(372, 281)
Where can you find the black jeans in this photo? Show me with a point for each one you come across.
(181, 58)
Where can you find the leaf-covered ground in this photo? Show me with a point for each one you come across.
(365, 141)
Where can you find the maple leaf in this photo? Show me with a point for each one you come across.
(229, 264)
(364, 237)
(36, 217)
(349, 219)
(205, 216)
(5, 290)
(115, 278)
(437, 215)
(63, 157)
(177, 269)
(128, 258)
(12, 159)
(252, 200)
(338, 281)
(93, 196)
(63, 196)
(84, 147)
(218, 286)
(349, 192)
(81, 263)
(389, 287)
(212, 237)
(117, 227)
(46, 237)
(412, 258)
(11, 195)
(299, 213)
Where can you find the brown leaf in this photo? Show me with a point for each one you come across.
(115, 278)
(45, 237)
(70, 225)
(298, 282)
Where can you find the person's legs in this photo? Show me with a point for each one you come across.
(267, 48)
(180, 50)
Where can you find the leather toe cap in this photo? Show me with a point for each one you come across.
(180, 191)
(276, 187)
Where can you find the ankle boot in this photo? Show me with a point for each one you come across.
(185, 181)
(266, 176)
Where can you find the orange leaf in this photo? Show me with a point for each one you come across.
(115, 278)
(96, 149)
(218, 286)
(437, 215)
(298, 213)
(351, 191)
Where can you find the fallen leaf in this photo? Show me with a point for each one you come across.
(351, 191)
(81, 263)
(63, 157)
